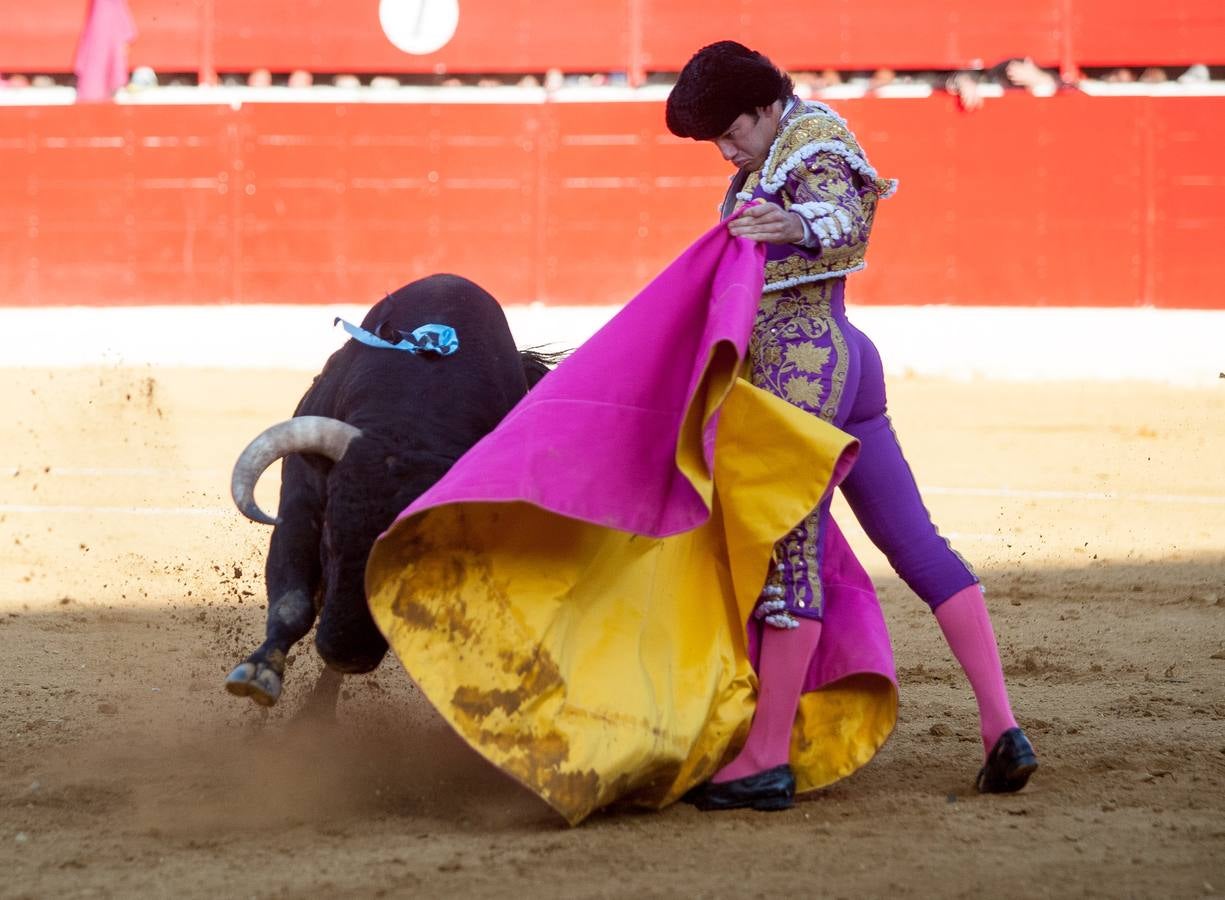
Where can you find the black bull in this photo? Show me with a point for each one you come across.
(375, 430)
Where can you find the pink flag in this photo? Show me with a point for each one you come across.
(101, 61)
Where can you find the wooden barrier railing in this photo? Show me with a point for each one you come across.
(1070, 200)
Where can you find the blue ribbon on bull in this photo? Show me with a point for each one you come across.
(431, 338)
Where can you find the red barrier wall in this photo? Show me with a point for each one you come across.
(861, 34)
(1114, 33)
(1069, 200)
(613, 35)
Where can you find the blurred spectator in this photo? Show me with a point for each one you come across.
(259, 78)
(1153, 75)
(880, 78)
(805, 84)
(14, 81)
(384, 83)
(554, 80)
(1119, 76)
(1021, 72)
(347, 81)
(143, 78)
(101, 62)
(964, 86)
(529, 81)
(829, 78)
(1196, 74)
(1029, 75)
(300, 78)
(810, 84)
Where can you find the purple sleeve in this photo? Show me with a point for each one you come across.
(826, 193)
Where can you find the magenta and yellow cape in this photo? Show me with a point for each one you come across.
(573, 595)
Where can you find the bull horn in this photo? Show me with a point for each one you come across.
(301, 434)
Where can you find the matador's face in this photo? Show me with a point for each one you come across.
(746, 143)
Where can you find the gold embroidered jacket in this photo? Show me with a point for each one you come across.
(817, 169)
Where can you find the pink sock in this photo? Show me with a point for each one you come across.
(967, 628)
(784, 659)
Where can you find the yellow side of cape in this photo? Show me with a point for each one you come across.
(597, 666)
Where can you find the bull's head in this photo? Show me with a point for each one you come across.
(302, 434)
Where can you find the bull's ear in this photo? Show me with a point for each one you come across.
(384, 330)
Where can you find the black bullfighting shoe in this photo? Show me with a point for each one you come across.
(768, 791)
(1009, 764)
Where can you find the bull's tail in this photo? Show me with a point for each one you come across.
(538, 363)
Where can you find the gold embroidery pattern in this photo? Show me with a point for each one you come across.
(799, 574)
(815, 129)
(795, 341)
(838, 379)
(798, 352)
(810, 574)
(797, 267)
(824, 177)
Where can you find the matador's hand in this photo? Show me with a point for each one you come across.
(767, 222)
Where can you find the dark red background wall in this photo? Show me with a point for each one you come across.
(1070, 200)
(630, 35)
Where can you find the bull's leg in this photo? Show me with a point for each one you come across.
(293, 576)
(259, 677)
(353, 650)
(347, 638)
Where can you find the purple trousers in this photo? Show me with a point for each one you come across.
(804, 350)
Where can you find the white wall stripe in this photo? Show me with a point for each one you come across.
(970, 536)
(1004, 493)
(1031, 344)
(1195, 499)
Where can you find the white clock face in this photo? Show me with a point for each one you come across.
(419, 26)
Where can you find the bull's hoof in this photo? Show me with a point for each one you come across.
(255, 680)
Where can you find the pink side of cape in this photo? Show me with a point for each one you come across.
(596, 439)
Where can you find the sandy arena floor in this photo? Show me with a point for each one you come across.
(1095, 514)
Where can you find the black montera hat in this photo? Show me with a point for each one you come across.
(719, 83)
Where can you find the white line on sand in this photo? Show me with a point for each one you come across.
(1003, 493)
(1194, 499)
(60, 509)
(114, 472)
